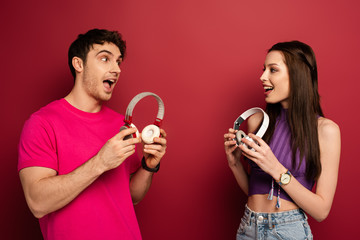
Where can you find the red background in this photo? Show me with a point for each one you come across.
(204, 58)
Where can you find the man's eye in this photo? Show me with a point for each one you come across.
(104, 59)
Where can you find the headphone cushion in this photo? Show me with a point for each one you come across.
(239, 135)
(135, 135)
(149, 133)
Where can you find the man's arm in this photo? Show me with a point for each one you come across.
(46, 192)
(140, 182)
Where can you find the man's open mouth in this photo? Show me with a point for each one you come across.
(110, 82)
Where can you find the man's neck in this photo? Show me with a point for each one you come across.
(83, 102)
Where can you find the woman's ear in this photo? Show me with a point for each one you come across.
(78, 64)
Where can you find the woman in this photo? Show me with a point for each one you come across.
(300, 147)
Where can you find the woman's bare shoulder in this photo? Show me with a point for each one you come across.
(255, 121)
(328, 128)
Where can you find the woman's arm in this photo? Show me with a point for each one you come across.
(233, 156)
(233, 153)
(316, 204)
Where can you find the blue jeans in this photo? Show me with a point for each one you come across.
(290, 225)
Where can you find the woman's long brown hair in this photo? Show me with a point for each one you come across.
(304, 105)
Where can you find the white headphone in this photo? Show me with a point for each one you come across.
(151, 131)
(260, 133)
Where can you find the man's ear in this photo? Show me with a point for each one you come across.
(78, 64)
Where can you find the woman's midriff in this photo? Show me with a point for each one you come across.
(260, 203)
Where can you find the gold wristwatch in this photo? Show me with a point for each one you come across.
(285, 178)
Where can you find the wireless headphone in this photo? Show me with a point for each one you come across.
(151, 131)
(260, 133)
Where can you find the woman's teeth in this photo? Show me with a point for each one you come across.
(268, 88)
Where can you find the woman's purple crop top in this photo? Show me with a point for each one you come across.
(260, 182)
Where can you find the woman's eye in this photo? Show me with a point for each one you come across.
(272, 70)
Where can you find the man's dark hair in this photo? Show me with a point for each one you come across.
(84, 42)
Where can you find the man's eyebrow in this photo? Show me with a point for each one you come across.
(108, 52)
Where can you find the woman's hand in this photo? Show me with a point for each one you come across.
(232, 151)
(262, 156)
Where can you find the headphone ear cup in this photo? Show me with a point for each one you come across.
(239, 135)
(135, 135)
(149, 133)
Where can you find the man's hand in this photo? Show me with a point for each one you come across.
(116, 150)
(154, 152)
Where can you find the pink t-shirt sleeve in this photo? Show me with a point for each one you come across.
(37, 145)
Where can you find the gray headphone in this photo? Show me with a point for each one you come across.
(151, 131)
(260, 133)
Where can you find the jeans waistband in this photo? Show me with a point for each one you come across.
(272, 219)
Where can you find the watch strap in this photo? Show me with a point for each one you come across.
(144, 166)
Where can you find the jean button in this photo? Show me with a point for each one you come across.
(260, 218)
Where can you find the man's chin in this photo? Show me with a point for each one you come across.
(107, 98)
(104, 97)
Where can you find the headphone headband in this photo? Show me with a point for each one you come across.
(136, 99)
(248, 113)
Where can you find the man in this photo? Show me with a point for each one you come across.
(80, 176)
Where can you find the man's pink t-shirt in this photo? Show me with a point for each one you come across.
(61, 137)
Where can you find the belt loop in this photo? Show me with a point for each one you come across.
(306, 217)
(249, 217)
(247, 209)
(269, 219)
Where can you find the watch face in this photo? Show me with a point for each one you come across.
(285, 178)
